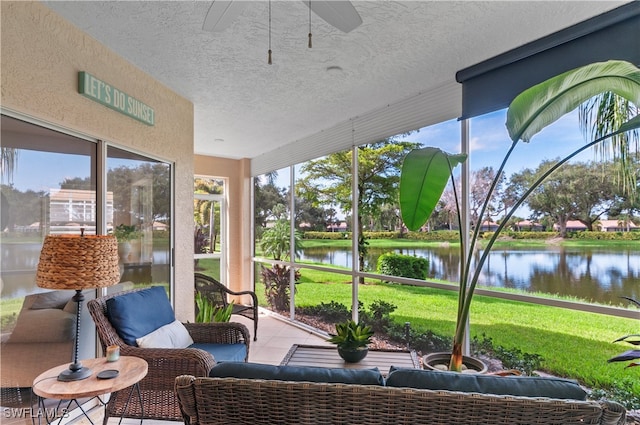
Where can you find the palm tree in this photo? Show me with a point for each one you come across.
(602, 115)
(9, 162)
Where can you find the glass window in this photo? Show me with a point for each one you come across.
(48, 186)
(209, 223)
(140, 189)
(272, 239)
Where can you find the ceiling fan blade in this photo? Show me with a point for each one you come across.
(221, 14)
(340, 14)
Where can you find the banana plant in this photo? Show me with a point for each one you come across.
(425, 171)
(633, 339)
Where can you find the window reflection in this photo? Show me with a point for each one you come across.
(140, 216)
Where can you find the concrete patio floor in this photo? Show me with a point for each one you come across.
(276, 335)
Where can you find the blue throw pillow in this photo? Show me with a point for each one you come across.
(297, 373)
(136, 314)
(526, 386)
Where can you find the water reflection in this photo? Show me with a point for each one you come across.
(593, 275)
(20, 260)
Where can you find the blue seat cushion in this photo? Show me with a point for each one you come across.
(526, 386)
(224, 352)
(136, 314)
(297, 373)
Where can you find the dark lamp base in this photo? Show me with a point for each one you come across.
(74, 375)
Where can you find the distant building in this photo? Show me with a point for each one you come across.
(528, 226)
(572, 226)
(337, 227)
(615, 226)
(601, 226)
(488, 226)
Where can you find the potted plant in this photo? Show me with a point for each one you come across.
(206, 312)
(124, 234)
(425, 171)
(352, 340)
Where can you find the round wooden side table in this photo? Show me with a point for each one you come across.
(131, 370)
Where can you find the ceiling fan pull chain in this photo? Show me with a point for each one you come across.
(269, 55)
(309, 23)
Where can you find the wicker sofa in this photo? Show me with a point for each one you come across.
(244, 400)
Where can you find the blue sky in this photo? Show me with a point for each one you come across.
(58, 167)
(489, 141)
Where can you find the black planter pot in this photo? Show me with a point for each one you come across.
(435, 361)
(353, 356)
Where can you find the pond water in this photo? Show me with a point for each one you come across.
(20, 261)
(593, 275)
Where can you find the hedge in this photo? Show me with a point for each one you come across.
(452, 235)
(392, 264)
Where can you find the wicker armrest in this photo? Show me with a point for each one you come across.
(184, 391)
(173, 361)
(612, 413)
(222, 333)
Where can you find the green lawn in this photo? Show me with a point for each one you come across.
(573, 344)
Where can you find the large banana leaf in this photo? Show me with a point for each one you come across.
(542, 104)
(627, 355)
(424, 175)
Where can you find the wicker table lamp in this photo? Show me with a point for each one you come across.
(78, 262)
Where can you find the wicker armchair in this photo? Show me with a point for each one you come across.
(217, 293)
(157, 388)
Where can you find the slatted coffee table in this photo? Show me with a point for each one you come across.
(327, 356)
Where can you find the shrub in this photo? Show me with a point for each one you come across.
(378, 315)
(392, 264)
(438, 235)
(327, 235)
(276, 285)
(511, 358)
(381, 235)
(331, 312)
(621, 392)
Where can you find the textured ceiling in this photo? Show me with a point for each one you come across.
(402, 48)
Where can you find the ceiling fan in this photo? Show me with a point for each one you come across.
(338, 13)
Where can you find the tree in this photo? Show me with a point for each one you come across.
(329, 178)
(480, 184)
(266, 197)
(21, 208)
(625, 205)
(121, 180)
(600, 116)
(77, 183)
(574, 192)
(8, 163)
(206, 220)
(309, 216)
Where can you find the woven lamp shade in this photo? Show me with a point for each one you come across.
(78, 262)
